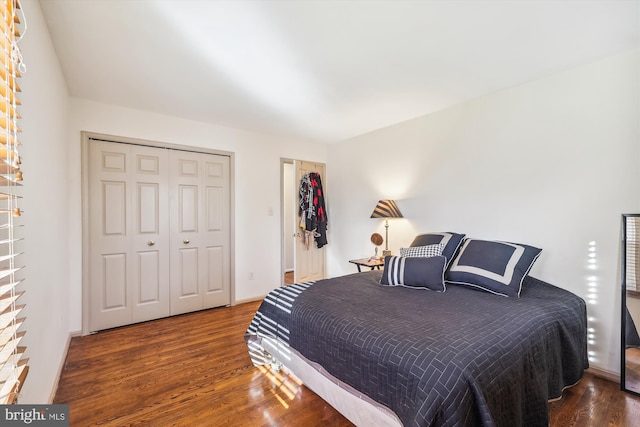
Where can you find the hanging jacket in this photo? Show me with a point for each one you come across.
(312, 211)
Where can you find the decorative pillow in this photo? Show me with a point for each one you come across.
(415, 272)
(451, 242)
(497, 267)
(422, 251)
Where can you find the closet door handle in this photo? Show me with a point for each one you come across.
(185, 241)
(151, 243)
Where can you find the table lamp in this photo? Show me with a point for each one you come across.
(386, 209)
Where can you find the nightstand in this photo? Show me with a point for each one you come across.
(367, 262)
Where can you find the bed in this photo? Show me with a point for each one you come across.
(397, 355)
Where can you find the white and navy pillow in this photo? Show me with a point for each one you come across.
(497, 267)
(450, 241)
(422, 251)
(415, 272)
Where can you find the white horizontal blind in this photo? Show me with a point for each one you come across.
(13, 365)
(632, 253)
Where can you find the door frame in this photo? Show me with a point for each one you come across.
(86, 138)
(283, 261)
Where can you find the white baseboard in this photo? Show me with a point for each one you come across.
(63, 360)
(242, 301)
(603, 373)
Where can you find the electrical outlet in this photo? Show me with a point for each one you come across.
(251, 275)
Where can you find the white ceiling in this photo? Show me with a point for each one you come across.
(322, 70)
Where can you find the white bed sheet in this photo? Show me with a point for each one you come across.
(355, 406)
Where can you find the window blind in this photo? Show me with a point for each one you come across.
(13, 364)
(632, 253)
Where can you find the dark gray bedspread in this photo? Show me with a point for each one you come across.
(458, 358)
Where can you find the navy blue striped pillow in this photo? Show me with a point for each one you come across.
(415, 272)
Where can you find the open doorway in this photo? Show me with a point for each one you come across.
(302, 261)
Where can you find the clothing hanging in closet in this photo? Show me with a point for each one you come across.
(312, 211)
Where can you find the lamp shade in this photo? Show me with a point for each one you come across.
(386, 209)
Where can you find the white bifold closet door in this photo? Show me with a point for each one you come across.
(159, 233)
(200, 256)
(129, 234)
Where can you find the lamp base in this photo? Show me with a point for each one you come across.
(386, 252)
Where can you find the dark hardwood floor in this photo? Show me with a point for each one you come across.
(288, 278)
(194, 370)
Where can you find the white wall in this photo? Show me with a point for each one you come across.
(552, 163)
(46, 208)
(257, 186)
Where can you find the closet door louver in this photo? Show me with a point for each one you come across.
(13, 365)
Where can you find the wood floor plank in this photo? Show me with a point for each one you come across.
(194, 370)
